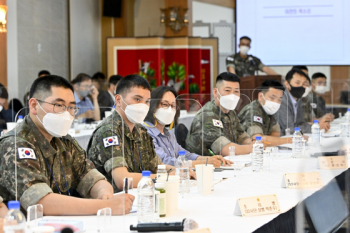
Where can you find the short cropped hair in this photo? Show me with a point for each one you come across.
(318, 75)
(43, 72)
(290, 74)
(3, 92)
(271, 83)
(81, 78)
(114, 79)
(245, 38)
(156, 96)
(300, 67)
(227, 76)
(98, 76)
(130, 81)
(41, 87)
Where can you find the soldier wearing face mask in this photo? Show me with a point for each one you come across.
(290, 114)
(243, 64)
(216, 125)
(120, 146)
(48, 165)
(82, 88)
(259, 117)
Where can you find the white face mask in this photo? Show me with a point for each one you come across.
(307, 91)
(321, 89)
(57, 124)
(229, 102)
(136, 113)
(244, 50)
(165, 116)
(270, 107)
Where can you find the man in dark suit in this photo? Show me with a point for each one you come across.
(6, 115)
(106, 98)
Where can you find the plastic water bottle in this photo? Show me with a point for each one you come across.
(20, 119)
(161, 172)
(182, 170)
(145, 201)
(257, 155)
(347, 115)
(297, 143)
(14, 222)
(315, 130)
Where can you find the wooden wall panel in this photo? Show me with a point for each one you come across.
(339, 82)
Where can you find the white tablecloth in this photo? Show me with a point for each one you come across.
(215, 211)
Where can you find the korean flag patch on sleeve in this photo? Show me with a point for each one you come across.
(313, 105)
(217, 123)
(26, 153)
(111, 141)
(258, 119)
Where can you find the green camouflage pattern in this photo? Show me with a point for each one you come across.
(252, 126)
(108, 158)
(308, 113)
(244, 67)
(318, 104)
(204, 134)
(34, 179)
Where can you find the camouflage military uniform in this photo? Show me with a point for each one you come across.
(308, 112)
(34, 179)
(213, 129)
(107, 154)
(318, 104)
(255, 120)
(244, 67)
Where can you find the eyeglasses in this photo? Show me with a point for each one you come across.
(60, 108)
(167, 105)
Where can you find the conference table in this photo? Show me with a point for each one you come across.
(216, 210)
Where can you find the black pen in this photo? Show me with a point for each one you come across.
(126, 185)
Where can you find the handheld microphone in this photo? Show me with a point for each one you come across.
(185, 225)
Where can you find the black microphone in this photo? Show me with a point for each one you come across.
(67, 230)
(185, 225)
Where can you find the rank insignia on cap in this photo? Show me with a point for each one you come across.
(313, 105)
(111, 141)
(217, 123)
(26, 153)
(258, 119)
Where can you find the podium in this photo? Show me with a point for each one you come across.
(250, 84)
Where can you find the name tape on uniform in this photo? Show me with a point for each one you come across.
(230, 59)
(333, 162)
(301, 180)
(217, 123)
(26, 153)
(259, 205)
(258, 119)
(111, 141)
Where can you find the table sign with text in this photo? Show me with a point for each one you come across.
(333, 162)
(301, 180)
(258, 205)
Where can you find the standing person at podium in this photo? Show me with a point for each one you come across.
(243, 64)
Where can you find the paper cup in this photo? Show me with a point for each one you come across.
(171, 193)
(204, 178)
(11, 125)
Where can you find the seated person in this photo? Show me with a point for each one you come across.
(319, 87)
(216, 126)
(51, 166)
(106, 98)
(290, 114)
(163, 112)
(3, 210)
(82, 88)
(259, 117)
(120, 147)
(6, 115)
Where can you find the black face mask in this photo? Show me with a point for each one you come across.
(297, 92)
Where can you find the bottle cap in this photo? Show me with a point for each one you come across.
(315, 121)
(159, 185)
(297, 129)
(20, 117)
(14, 205)
(348, 109)
(146, 173)
(161, 166)
(258, 138)
(182, 152)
